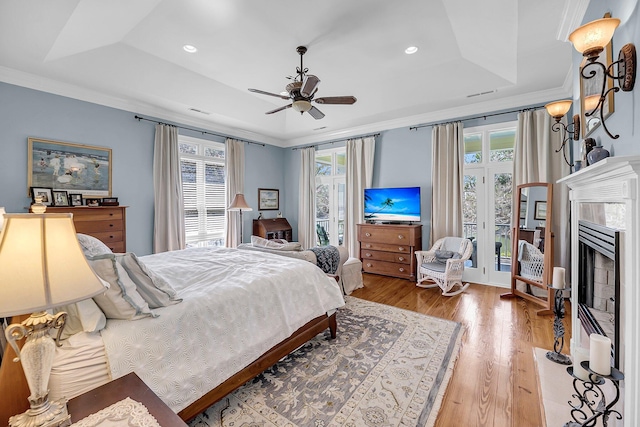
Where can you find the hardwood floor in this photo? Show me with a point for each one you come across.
(494, 382)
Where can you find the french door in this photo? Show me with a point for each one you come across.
(330, 196)
(487, 200)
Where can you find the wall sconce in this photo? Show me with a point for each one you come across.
(557, 110)
(590, 40)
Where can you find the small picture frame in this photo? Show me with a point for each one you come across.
(268, 199)
(92, 202)
(109, 201)
(45, 192)
(75, 199)
(60, 198)
(540, 212)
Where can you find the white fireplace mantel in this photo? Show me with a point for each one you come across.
(614, 180)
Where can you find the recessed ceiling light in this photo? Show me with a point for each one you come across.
(411, 50)
(189, 48)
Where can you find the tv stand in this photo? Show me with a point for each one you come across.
(389, 249)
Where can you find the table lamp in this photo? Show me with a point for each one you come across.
(239, 204)
(41, 266)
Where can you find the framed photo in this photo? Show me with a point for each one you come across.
(60, 198)
(75, 199)
(92, 202)
(593, 87)
(76, 168)
(268, 199)
(540, 212)
(109, 201)
(45, 192)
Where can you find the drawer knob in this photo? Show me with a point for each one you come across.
(367, 254)
(367, 245)
(400, 258)
(110, 225)
(111, 214)
(400, 248)
(401, 270)
(400, 236)
(367, 234)
(368, 264)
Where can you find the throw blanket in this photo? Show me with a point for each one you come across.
(327, 258)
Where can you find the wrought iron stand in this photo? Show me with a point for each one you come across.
(558, 329)
(591, 399)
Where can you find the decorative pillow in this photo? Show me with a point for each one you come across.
(92, 246)
(153, 289)
(276, 244)
(443, 256)
(122, 300)
(83, 316)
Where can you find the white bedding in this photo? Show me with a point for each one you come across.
(236, 305)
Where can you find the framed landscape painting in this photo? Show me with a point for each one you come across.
(75, 168)
(268, 199)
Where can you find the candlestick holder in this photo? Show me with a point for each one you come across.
(592, 402)
(558, 328)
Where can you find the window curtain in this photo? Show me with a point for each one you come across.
(234, 179)
(168, 223)
(535, 160)
(307, 198)
(446, 177)
(359, 159)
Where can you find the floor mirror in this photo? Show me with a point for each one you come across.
(532, 252)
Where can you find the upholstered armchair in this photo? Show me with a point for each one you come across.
(443, 265)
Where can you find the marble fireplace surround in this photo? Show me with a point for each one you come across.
(614, 180)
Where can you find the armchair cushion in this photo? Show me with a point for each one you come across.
(440, 267)
(443, 256)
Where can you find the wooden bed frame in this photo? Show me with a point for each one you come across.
(14, 389)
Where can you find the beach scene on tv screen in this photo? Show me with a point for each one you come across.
(392, 204)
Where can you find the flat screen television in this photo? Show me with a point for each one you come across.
(392, 204)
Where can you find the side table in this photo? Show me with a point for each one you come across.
(128, 386)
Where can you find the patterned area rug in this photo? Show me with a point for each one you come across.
(387, 367)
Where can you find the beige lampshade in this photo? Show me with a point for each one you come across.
(558, 109)
(591, 102)
(594, 36)
(239, 204)
(42, 265)
(2, 212)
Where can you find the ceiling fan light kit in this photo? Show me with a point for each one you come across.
(302, 90)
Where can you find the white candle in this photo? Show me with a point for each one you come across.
(580, 355)
(600, 354)
(558, 277)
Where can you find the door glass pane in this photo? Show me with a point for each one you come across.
(341, 199)
(470, 215)
(323, 165)
(341, 164)
(473, 148)
(501, 145)
(322, 213)
(502, 184)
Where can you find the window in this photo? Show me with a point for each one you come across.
(330, 195)
(203, 191)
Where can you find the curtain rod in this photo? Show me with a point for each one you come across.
(333, 142)
(484, 116)
(204, 132)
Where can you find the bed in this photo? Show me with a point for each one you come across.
(240, 312)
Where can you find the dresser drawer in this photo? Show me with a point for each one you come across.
(385, 256)
(386, 234)
(117, 247)
(387, 268)
(92, 227)
(109, 237)
(386, 247)
(97, 214)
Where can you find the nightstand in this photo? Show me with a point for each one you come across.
(128, 386)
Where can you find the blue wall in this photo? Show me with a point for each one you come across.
(28, 113)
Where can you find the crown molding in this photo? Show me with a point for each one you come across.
(572, 17)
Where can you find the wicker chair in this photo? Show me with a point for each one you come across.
(531, 261)
(444, 264)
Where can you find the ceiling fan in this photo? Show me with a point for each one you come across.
(302, 90)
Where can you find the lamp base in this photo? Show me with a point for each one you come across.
(54, 415)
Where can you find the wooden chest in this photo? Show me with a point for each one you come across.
(390, 249)
(107, 223)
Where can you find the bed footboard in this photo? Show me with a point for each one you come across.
(268, 359)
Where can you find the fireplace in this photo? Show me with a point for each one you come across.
(599, 283)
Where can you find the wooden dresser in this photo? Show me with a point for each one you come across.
(389, 249)
(107, 223)
(273, 228)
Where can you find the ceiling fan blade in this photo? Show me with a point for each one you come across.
(315, 113)
(277, 95)
(279, 109)
(309, 84)
(336, 100)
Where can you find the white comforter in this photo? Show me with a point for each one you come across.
(236, 305)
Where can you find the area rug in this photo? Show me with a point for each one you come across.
(387, 367)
